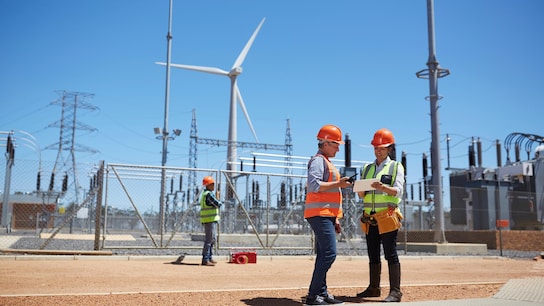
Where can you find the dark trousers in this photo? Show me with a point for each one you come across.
(325, 237)
(389, 241)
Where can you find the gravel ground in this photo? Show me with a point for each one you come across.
(344, 248)
(273, 281)
(119, 283)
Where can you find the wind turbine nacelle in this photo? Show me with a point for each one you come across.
(236, 71)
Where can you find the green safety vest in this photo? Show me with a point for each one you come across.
(208, 213)
(378, 200)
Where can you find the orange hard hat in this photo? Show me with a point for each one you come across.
(207, 180)
(330, 132)
(383, 138)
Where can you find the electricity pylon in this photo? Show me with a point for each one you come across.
(70, 102)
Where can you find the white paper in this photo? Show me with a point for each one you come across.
(364, 185)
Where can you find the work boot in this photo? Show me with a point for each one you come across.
(394, 284)
(373, 290)
(207, 263)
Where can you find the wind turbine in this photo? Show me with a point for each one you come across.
(235, 95)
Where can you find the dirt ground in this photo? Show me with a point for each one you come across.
(86, 280)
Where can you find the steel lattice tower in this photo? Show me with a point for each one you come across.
(70, 102)
(191, 184)
(288, 153)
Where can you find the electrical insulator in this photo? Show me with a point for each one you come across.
(254, 164)
(290, 193)
(38, 181)
(424, 162)
(65, 183)
(347, 151)
(479, 146)
(9, 145)
(425, 173)
(253, 193)
(403, 162)
(10, 150)
(471, 157)
(257, 192)
(499, 159)
(52, 182)
(282, 195)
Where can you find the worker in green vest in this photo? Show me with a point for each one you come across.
(209, 216)
(381, 219)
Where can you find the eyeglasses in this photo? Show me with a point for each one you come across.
(335, 144)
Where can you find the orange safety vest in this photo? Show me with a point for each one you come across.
(326, 203)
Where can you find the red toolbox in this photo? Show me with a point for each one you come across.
(243, 257)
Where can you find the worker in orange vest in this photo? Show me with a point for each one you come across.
(322, 210)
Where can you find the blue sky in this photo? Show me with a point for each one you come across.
(350, 63)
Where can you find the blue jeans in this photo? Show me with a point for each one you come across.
(389, 241)
(210, 231)
(325, 235)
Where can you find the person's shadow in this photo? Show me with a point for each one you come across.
(270, 301)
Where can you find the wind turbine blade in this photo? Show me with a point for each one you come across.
(244, 52)
(197, 68)
(243, 106)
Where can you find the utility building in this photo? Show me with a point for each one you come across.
(508, 197)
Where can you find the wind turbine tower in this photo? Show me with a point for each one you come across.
(235, 96)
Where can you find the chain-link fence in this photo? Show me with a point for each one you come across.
(260, 210)
(138, 208)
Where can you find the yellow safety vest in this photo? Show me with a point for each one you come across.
(207, 213)
(378, 200)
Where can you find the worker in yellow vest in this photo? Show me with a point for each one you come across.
(381, 217)
(322, 210)
(209, 216)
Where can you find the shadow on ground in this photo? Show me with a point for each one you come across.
(269, 301)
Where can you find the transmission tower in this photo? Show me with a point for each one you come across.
(288, 154)
(194, 140)
(191, 184)
(70, 102)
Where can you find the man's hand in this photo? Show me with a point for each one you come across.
(337, 227)
(345, 182)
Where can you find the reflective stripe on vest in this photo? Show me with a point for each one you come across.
(326, 203)
(207, 213)
(381, 199)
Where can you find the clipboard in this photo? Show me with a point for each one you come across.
(364, 185)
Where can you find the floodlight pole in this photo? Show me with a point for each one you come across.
(165, 128)
(433, 73)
